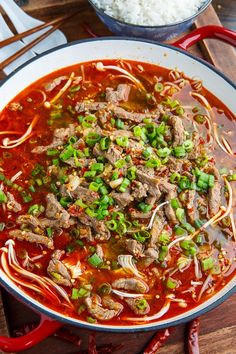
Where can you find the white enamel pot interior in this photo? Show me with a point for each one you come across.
(116, 48)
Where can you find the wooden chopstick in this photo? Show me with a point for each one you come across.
(19, 36)
(25, 49)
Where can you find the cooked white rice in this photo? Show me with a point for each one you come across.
(150, 12)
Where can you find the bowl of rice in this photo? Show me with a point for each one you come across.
(154, 19)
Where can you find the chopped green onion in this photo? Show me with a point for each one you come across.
(188, 145)
(94, 187)
(179, 151)
(92, 138)
(179, 111)
(119, 124)
(175, 177)
(3, 197)
(171, 283)
(145, 208)
(231, 177)
(120, 163)
(188, 227)
(80, 203)
(147, 152)
(131, 173)
(98, 167)
(90, 212)
(159, 87)
(95, 260)
(91, 319)
(89, 174)
(122, 141)
(2, 226)
(36, 209)
(199, 118)
(141, 304)
(180, 214)
(164, 152)
(164, 238)
(125, 183)
(65, 201)
(139, 132)
(179, 231)
(103, 190)
(49, 231)
(52, 152)
(74, 88)
(67, 153)
(152, 163)
(105, 143)
(175, 203)
(141, 236)
(111, 225)
(207, 263)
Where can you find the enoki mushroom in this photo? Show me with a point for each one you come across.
(45, 286)
(10, 144)
(126, 262)
(101, 67)
(61, 92)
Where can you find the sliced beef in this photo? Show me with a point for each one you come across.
(102, 233)
(85, 232)
(85, 194)
(99, 251)
(61, 135)
(12, 204)
(146, 175)
(134, 305)
(122, 199)
(113, 154)
(134, 247)
(169, 210)
(89, 106)
(171, 192)
(214, 198)
(119, 133)
(54, 210)
(178, 130)
(28, 220)
(215, 193)
(131, 284)
(97, 311)
(139, 190)
(189, 198)
(133, 116)
(37, 224)
(31, 237)
(120, 94)
(151, 253)
(136, 214)
(56, 82)
(58, 271)
(174, 165)
(158, 225)
(195, 152)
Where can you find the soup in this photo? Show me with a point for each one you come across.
(116, 194)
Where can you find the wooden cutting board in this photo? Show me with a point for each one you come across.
(218, 327)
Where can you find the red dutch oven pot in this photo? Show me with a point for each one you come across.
(49, 321)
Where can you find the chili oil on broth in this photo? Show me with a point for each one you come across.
(175, 279)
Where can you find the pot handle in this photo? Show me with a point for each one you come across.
(46, 327)
(217, 32)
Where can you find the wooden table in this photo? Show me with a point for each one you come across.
(218, 327)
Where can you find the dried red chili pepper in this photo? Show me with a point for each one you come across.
(157, 341)
(67, 335)
(92, 348)
(193, 331)
(89, 30)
